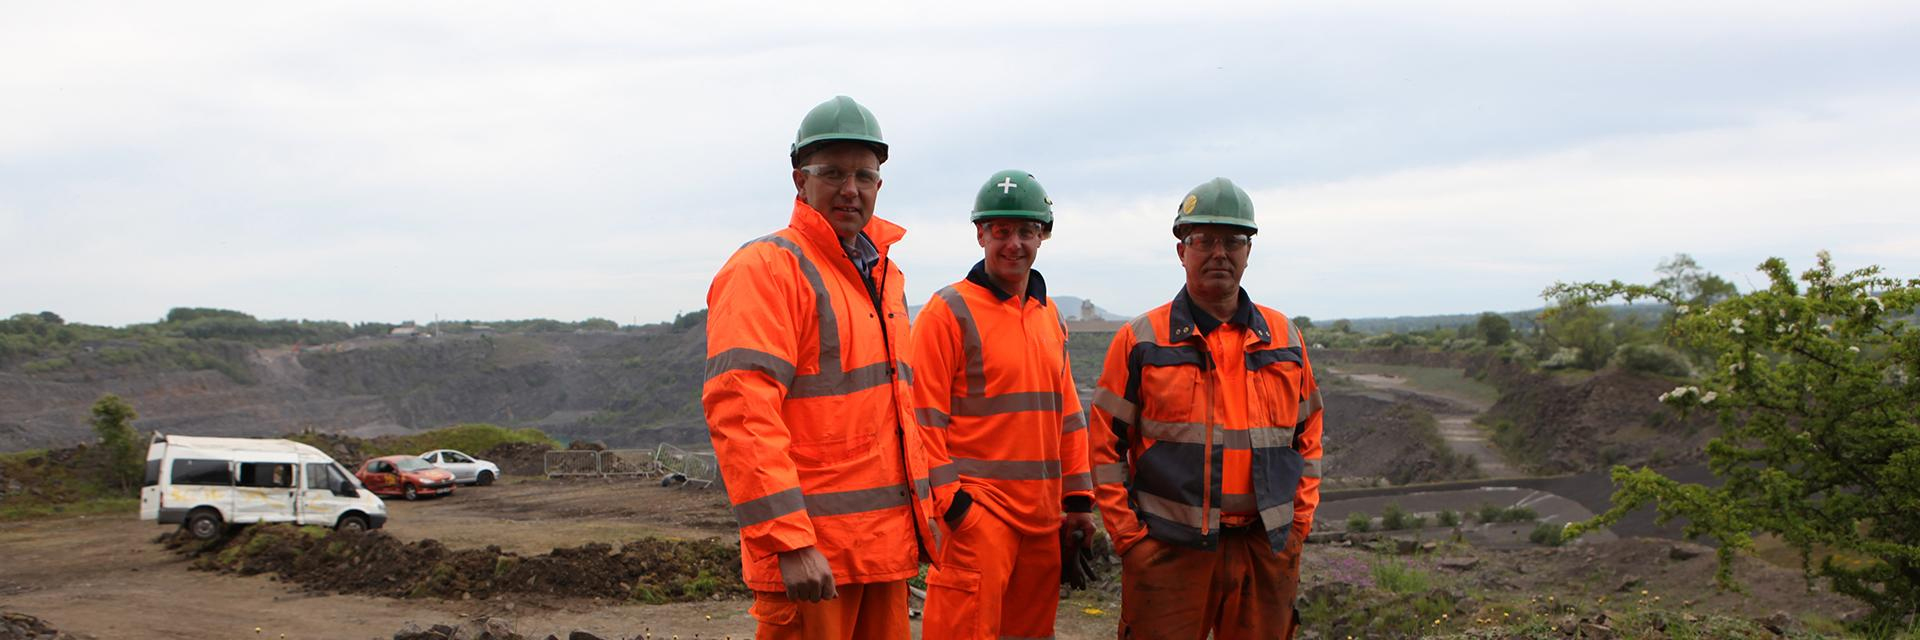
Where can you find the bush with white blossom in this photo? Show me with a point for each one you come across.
(1820, 440)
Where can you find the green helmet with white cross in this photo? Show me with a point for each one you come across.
(1013, 194)
(1216, 201)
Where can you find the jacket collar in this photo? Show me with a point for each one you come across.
(1036, 285)
(1187, 321)
(813, 226)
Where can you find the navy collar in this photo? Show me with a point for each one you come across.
(1185, 319)
(1036, 285)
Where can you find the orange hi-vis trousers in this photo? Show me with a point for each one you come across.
(1240, 591)
(992, 582)
(870, 611)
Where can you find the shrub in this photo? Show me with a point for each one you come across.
(1562, 358)
(1395, 518)
(1518, 514)
(1549, 534)
(1651, 358)
(1818, 444)
(1449, 518)
(1359, 522)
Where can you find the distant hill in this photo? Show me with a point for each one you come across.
(1521, 320)
(624, 386)
(1070, 310)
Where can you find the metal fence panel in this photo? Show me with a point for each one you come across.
(572, 463)
(630, 462)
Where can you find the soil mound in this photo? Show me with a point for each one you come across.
(518, 459)
(1613, 417)
(20, 626)
(1391, 439)
(650, 570)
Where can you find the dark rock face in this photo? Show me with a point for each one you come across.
(622, 388)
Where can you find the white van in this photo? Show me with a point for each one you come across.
(207, 483)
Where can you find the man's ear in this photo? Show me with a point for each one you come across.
(799, 183)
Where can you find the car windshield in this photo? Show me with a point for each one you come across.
(413, 464)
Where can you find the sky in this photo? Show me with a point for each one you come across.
(397, 162)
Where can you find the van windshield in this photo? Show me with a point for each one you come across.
(413, 464)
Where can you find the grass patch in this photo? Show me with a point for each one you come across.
(1452, 383)
(474, 439)
(91, 506)
(1359, 522)
(1399, 577)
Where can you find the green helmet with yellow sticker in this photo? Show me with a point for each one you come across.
(1216, 201)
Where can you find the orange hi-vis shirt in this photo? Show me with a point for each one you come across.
(809, 404)
(996, 403)
(1198, 424)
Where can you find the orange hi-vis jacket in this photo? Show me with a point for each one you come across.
(1166, 428)
(996, 403)
(809, 404)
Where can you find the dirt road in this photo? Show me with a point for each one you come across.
(1456, 424)
(105, 576)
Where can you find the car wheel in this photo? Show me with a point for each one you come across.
(204, 524)
(352, 522)
(410, 492)
(485, 478)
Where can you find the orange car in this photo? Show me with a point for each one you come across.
(406, 476)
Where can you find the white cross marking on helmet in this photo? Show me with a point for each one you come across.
(1007, 186)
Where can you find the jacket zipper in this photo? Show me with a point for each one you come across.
(1206, 460)
(875, 294)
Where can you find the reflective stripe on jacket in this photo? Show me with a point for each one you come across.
(996, 403)
(809, 405)
(1159, 433)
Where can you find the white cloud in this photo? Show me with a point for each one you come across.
(380, 162)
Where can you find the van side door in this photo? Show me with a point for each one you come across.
(264, 492)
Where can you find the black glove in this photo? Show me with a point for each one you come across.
(1076, 561)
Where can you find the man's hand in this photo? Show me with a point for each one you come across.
(808, 577)
(1081, 522)
(1076, 552)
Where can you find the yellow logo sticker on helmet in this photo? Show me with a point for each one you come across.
(1191, 202)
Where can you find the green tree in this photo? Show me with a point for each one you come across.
(1816, 391)
(1575, 328)
(1343, 325)
(685, 321)
(184, 314)
(1303, 322)
(1687, 283)
(1494, 328)
(113, 425)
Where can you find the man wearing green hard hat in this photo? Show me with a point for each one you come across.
(1001, 420)
(1206, 443)
(809, 403)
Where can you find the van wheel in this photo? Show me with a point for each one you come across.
(203, 524)
(486, 478)
(410, 493)
(352, 522)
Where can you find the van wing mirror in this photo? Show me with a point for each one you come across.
(346, 489)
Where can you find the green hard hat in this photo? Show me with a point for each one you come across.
(1013, 194)
(1215, 201)
(838, 119)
